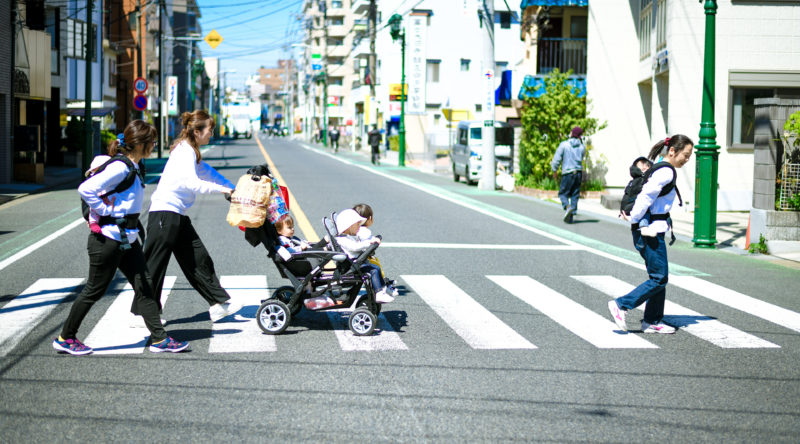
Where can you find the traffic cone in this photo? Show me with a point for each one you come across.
(747, 236)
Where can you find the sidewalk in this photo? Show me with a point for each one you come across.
(731, 225)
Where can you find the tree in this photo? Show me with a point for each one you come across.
(548, 119)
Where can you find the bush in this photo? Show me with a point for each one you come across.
(547, 121)
(394, 142)
(105, 138)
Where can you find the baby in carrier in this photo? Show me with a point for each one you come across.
(634, 187)
(348, 223)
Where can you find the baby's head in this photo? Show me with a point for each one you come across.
(364, 211)
(643, 165)
(285, 226)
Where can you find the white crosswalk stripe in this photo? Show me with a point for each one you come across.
(687, 320)
(469, 319)
(120, 332)
(240, 333)
(24, 312)
(734, 299)
(587, 324)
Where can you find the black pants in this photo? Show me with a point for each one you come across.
(105, 258)
(170, 233)
(376, 154)
(570, 190)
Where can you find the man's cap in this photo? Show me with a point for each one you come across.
(576, 132)
(347, 218)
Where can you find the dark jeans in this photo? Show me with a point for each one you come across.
(653, 291)
(375, 278)
(570, 190)
(105, 258)
(376, 154)
(170, 234)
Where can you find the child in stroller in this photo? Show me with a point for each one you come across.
(316, 285)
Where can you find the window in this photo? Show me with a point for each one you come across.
(335, 60)
(744, 113)
(577, 27)
(53, 27)
(499, 67)
(334, 80)
(504, 17)
(335, 41)
(433, 71)
(475, 133)
(645, 23)
(462, 136)
(661, 25)
(112, 72)
(336, 21)
(336, 4)
(76, 39)
(464, 65)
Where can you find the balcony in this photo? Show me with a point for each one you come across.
(561, 53)
(359, 7)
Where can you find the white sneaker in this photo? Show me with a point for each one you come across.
(660, 327)
(618, 315)
(219, 311)
(382, 297)
(393, 291)
(138, 322)
(648, 231)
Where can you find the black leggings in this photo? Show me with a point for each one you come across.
(105, 257)
(170, 234)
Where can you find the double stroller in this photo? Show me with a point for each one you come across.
(322, 278)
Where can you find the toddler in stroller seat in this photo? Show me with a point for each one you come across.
(322, 277)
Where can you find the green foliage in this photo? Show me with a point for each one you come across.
(394, 142)
(105, 138)
(593, 185)
(547, 120)
(792, 126)
(760, 247)
(528, 181)
(794, 201)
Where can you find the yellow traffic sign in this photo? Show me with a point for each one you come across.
(213, 39)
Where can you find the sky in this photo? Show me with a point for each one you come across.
(255, 33)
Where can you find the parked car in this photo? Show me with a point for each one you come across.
(467, 151)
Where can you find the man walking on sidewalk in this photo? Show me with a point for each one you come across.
(569, 156)
(374, 141)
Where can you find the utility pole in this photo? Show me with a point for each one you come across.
(373, 24)
(161, 89)
(87, 95)
(139, 25)
(398, 33)
(705, 199)
(324, 4)
(487, 181)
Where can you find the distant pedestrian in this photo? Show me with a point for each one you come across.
(116, 245)
(169, 229)
(650, 204)
(334, 138)
(374, 140)
(569, 156)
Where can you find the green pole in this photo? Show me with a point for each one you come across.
(705, 201)
(87, 96)
(401, 149)
(324, 108)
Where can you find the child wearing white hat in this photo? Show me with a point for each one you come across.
(347, 224)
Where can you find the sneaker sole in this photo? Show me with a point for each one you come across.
(652, 331)
(170, 350)
(617, 321)
(71, 352)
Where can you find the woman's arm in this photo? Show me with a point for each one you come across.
(208, 173)
(103, 182)
(650, 191)
(186, 161)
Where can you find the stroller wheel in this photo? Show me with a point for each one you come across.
(362, 322)
(273, 317)
(284, 294)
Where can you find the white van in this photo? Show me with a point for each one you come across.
(467, 151)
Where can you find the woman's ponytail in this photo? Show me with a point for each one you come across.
(678, 142)
(196, 120)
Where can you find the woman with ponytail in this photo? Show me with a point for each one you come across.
(114, 244)
(169, 229)
(653, 204)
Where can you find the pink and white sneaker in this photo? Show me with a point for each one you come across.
(618, 315)
(660, 328)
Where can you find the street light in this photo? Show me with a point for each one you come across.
(705, 199)
(395, 22)
(218, 128)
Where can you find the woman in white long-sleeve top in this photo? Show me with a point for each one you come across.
(116, 245)
(169, 229)
(653, 205)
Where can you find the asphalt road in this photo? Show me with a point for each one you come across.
(501, 332)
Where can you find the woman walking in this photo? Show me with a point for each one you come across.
(116, 245)
(652, 205)
(169, 229)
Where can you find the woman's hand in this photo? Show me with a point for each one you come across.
(624, 216)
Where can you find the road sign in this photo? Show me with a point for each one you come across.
(316, 66)
(172, 95)
(140, 85)
(213, 39)
(140, 102)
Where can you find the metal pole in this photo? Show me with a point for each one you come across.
(705, 202)
(325, 75)
(401, 149)
(488, 168)
(87, 96)
(160, 77)
(373, 24)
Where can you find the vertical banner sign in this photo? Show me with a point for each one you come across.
(418, 30)
(172, 95)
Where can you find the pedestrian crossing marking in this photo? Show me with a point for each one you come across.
(734, 299)
(687, 320)
(469, 319)
(384, 338)
(120, 332)
(24, 312)
(240, 333)
(587, 324)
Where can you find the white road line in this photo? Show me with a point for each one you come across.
(469, 319)
(120, 332)
(477, 246)
(588, 325)
(240, 333)
(24, 312)
(8, 261)
(384, 338)
(690, 321)
(748, 304)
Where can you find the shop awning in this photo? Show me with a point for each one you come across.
(503, 92)
(578, 86)
(526, 3)
(96, 112)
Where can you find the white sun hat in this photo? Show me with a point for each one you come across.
(347, 218)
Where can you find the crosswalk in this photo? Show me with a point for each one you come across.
(469, 321)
